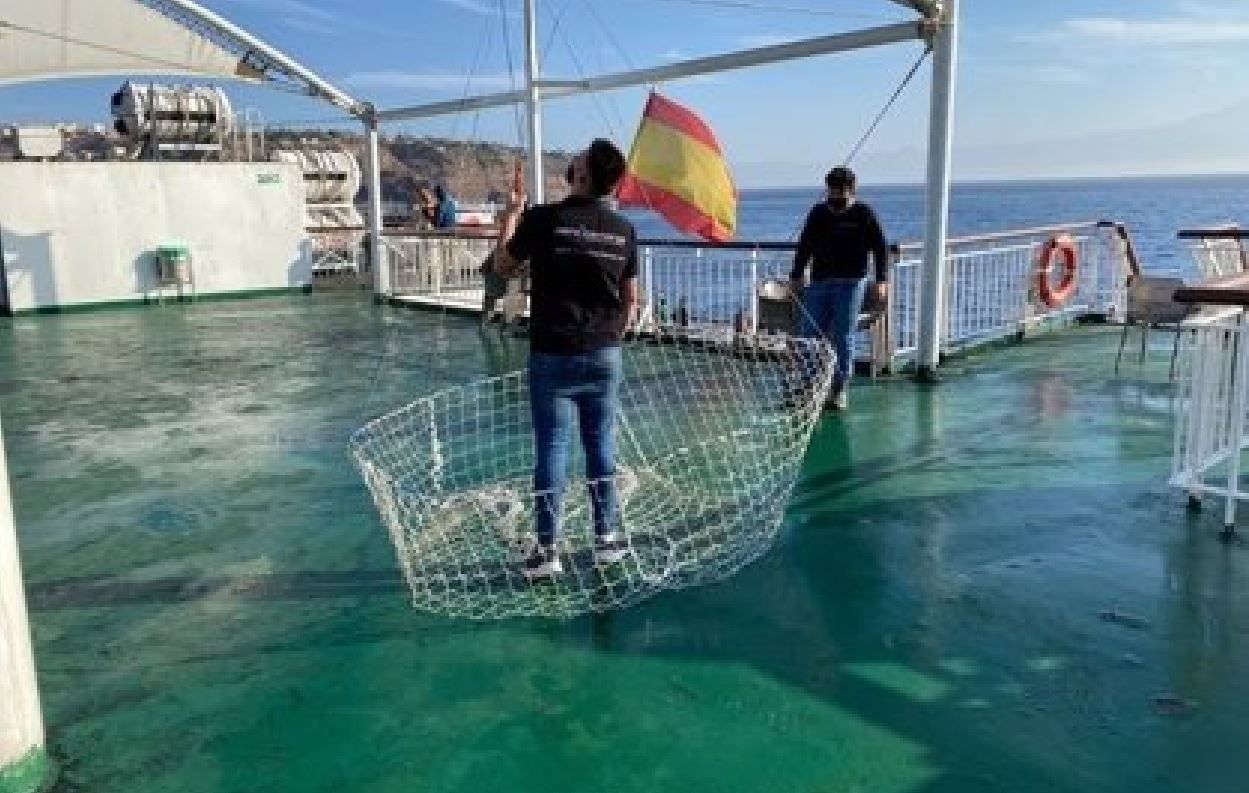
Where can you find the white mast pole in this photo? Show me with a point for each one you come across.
(378, 259)
(533, 104)
(21, 722)
(932, 284)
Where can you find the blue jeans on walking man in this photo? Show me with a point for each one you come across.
(831, 308)
(589, 385)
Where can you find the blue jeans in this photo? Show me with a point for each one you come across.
(590, 384)
(831, 309)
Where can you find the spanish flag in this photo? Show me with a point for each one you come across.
(677, 169)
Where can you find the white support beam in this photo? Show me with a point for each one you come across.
(533, 104)
(379, 259)
(315, 84)
(21, 722)
(776, 53)
(936, 233)
(453, 106)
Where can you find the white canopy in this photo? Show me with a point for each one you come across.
(45, 39)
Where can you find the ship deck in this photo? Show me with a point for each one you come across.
(981, 586)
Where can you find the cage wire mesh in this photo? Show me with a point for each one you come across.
(711, 431)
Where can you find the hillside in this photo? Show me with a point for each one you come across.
(473, 171)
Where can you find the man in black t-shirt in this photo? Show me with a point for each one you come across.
(582, 260)
(837, 239)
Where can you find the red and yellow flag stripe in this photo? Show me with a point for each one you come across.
(676, 167)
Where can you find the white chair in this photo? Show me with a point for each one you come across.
(1217, 252)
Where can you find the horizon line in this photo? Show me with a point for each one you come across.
(1004, 180)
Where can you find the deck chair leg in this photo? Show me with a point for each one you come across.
(1123, 341)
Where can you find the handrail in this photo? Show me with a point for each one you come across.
(465, 233)
(1129, 247)
(1013, 234)
(1228, 233)
(1231, 290)
(477, 232)
(770, 245)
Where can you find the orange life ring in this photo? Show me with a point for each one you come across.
(1063, 249)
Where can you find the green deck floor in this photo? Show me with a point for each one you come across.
(217, 608)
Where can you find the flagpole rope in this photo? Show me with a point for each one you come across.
(517, 116)
(738, 5)
(556, 20)
(612, 128)
(910, 75)
(611, 37)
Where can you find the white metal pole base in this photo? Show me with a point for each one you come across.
(378, 260)
(22, 759)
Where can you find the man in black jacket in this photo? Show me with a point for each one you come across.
(839, 236)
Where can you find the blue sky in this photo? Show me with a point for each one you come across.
(1046, 87)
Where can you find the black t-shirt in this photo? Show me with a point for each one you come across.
(836, 244)
(580, 254)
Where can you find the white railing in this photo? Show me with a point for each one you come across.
(991, 285)
(1218, 251)
(702, 287)
(336, 251)
(991, 282)
(432, 265)
(1210, 427)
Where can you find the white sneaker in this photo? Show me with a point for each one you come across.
(542, 562)
(610, 549)
(840, 400)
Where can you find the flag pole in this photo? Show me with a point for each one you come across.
(933, 282)
(533, 104)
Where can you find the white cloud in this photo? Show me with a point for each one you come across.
(300, 9)
(424, 81)
(480, 7)
(1168, 32)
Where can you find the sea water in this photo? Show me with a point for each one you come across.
(1153, 209)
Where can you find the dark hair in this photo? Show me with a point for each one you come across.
(841, 176)
(606, 165)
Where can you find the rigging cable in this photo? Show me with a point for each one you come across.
(888, 105)
(511, 72)
(740, 5)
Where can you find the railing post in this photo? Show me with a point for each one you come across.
(533, 104)
(1239, 383)
(753, 327)
(381, 272)
(440, 265)
(648, 285)
(1190, 419)
(21, 723)
(932, 299)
